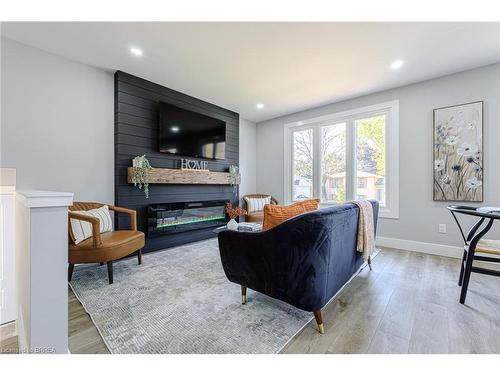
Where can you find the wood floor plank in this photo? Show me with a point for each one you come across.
(83, 335)
(356, 332)
(7, 330)
(467, 331)
(430, 330)
(400, 312)
(8, 338)
(9, 345)
(385, 343)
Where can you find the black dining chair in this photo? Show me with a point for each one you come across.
(473, 243)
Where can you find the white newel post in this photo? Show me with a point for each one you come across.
(41, 268)
(7, 245)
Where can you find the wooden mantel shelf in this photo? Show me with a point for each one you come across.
(183, 176)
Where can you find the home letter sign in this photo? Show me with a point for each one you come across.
(194, 164)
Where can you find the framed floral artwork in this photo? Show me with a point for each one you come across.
(458, 153)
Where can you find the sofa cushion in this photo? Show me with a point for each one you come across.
(275, 214)
(255, 217)
(115, 245)
(80, 230)
(256, 204)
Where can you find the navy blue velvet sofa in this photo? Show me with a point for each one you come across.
(304, 261)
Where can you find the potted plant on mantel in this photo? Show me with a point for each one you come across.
(234, 177)
(141, 168)
(233, 213)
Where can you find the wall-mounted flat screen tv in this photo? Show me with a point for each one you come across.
(187, 133)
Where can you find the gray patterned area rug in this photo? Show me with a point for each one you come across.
(179, 301)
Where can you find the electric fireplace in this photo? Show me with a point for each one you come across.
(171, 218)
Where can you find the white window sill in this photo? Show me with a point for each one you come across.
(386, 214)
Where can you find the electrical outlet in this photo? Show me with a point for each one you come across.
(442, 228)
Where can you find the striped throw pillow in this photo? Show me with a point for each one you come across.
(83, 229)
(257, 204)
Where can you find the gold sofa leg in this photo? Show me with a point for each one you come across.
(319, 321)
(243, 295)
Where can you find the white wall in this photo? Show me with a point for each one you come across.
(57, 124)
(248, 158)
(419, 214)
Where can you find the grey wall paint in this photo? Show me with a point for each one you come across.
(248, 158)
(56, 123)
(419, 215)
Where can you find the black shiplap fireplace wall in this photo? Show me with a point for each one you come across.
(136, 133)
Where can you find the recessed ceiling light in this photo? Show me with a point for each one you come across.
(260, 105)
(136, 51)
(174, 129)
(396, 64)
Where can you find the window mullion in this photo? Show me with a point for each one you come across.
(316, 161)
(350, 160)
(289, 165)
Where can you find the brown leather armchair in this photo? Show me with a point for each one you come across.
(258, 216)
(103, 247)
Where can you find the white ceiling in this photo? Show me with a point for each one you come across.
(286, 66)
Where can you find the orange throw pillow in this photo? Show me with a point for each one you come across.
(275, 214)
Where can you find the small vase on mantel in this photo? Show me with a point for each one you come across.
(232, 225)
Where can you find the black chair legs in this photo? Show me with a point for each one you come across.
(110, 272)
(464, 258)
(466, 275)
(71, 267)
(109, 265)
(243, 295)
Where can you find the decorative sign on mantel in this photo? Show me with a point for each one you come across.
(196, 165)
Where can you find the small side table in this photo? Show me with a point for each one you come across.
(242, 227)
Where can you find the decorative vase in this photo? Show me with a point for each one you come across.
(232, 225)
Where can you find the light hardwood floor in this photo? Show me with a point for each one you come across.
(408, 303)
(8, 339)
(83, 335)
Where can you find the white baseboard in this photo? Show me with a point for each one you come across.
(421, 247)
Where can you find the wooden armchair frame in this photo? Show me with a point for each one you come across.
(99, 252)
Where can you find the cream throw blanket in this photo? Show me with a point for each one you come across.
(366, 233)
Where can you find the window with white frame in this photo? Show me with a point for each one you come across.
(345, 156)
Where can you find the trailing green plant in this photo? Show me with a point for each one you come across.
(140, 173)
(234, 177)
